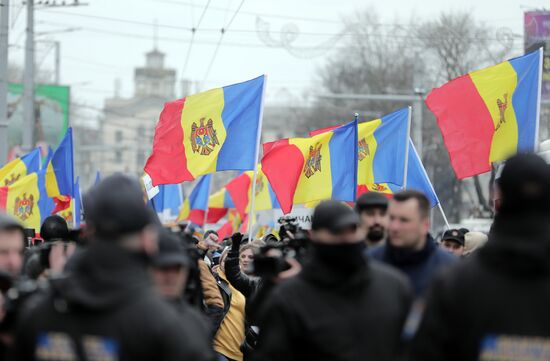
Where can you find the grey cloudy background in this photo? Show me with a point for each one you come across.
(114, 35)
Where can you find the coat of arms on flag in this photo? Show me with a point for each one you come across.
(313, 163)
(362, 149)
(203, 137)
(23, 206)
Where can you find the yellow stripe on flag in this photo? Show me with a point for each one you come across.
(316, 179)
(22, 201)
(366, 150)
(262, 201)
(203, 130)
(496, 86)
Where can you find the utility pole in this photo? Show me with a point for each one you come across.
(28, 82)
(4, 34)
(57, 45)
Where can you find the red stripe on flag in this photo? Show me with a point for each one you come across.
(238, 190)
(282, 165)
(323, 130)
(168, 164)
(196, 216)
(225, 231)
(215, 214)
(61, 203)
(466, 125)
(4, 197)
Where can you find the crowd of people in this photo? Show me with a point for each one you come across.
(364, 283)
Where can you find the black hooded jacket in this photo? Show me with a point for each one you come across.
(493, 306)
(106, 309)
(324, 314)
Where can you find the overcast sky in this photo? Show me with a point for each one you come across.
(103, 50)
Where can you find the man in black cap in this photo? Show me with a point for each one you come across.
(453, 241)
(12, 245)
(499, 296)
(341, 306)
(170, 269)
(373, 208)
(105, 308)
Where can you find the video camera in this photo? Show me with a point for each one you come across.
(270, 260)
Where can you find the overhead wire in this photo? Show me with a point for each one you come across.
(216, 50)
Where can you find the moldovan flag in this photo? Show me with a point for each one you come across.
(167, 202)
(219, 204)
(27, 200)
(194, 207)
(324, 166)
(381, 149)
(207, 132)
(20, 167)
(60, 169)
(240, 189)
(490, 114)
(417, 179)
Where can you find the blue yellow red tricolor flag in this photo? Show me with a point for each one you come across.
(219, 204)
(27, 200)
(20, 167)
(488, 115)
(194, 207)
(324, 166)
(240, 189)
(207, 132)
(381, 148)
(417, 179)
(60, 169)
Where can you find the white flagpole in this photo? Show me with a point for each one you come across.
(443, 214)
(541, 59)
(406, 170)
(251, 214)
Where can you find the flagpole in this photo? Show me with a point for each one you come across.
(406, 170)
(443, 214)
(541, 59)
(252, 215)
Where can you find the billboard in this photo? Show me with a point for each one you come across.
(51, 120)
(537, 34)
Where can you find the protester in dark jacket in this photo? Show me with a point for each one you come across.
(170, 270)
(410, 248)
(235, 267)
(496, 301)
(341, 306)
(105, 308)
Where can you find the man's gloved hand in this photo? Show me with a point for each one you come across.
(236, 240)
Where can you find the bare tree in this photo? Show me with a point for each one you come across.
(376, 59)
(456, 44)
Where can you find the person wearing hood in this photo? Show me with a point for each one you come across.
(341, 306)
(105, 306)
(496, 301)
(410, 247)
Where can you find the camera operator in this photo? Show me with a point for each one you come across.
(105, 307)
(340, 306)
(49, 258)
